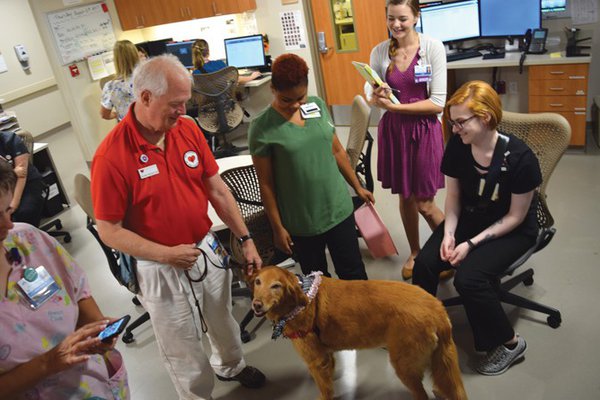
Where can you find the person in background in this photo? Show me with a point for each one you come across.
(142, 53)
(117, 94)
(49, 350)
(410, 142)
(202, 65)
(152, 178)
(488, 225)
(27, 201)
(301, 167)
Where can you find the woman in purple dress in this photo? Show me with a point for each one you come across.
(410, 142)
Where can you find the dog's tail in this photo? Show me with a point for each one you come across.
(444, 367)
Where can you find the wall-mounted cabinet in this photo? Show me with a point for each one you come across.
(136, 14)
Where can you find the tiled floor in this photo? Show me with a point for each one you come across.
(560, 363)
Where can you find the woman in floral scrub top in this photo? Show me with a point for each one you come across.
(52, 352)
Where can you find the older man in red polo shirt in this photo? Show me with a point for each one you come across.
(152, 178)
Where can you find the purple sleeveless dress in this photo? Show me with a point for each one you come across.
(410, 147)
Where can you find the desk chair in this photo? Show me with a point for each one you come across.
(548, 135)
(54, 226)
(243, 184)
(360, 157)
(83, 196)
(218, 110)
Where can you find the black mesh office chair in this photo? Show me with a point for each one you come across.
(548, 135)
(243, 184)
(218, 110)
(53, 227)
(83, 196)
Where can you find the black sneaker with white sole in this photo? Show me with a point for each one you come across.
(497, 361)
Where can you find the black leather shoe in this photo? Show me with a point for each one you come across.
(250, 377)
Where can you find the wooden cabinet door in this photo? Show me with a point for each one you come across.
(136, 14)
(200, 8)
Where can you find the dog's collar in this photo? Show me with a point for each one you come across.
(310, 286)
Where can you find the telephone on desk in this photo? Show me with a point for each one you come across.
(534, 42)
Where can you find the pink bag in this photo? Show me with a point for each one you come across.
(374, 232)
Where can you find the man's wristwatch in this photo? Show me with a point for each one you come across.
(244, 238)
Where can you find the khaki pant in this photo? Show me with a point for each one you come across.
(166, 295)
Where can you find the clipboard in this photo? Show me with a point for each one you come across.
(372, 77)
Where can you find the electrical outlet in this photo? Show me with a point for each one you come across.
(513, 87)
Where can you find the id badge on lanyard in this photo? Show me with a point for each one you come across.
(423, 73)
(37, 286)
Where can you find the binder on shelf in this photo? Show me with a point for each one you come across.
(372, 77)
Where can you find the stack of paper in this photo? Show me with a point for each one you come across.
(372, 77)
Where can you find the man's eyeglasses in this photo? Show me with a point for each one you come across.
(460, 124)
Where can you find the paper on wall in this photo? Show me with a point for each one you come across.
(3, 67)
(101, 65)
(294, 36)
(584, 11)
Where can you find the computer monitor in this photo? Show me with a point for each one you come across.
(155, 47)
(245, 51)
(183, 51)
(451, 22)
(509, 17)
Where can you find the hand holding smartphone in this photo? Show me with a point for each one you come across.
(113, 329)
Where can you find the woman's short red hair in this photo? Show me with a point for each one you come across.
(289, 71)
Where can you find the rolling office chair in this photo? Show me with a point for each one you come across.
(83, 196)
(53, 227)
(359, 155)
(243, 184)
(548, 135)
(218, 110)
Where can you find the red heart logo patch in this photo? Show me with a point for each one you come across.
(191, 158)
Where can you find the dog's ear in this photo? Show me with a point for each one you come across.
(295, 290)
(249, 278)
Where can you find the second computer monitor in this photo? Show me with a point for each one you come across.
(183, 51)
(509, 17)
(451, 22)
(245, 52)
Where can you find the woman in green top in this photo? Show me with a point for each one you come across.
(298, 160)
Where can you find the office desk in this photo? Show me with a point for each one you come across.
(225, 164)
(257, 82)
(548, 84)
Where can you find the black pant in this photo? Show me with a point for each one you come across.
(342, 242)
(475, 278)
(32, 202)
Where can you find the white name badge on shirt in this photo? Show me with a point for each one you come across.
(148, 171)
(423, 73)
(310, 110)
(37, 286)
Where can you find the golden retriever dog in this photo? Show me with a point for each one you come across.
(343, 315)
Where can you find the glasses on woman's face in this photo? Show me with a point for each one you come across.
(461, 123)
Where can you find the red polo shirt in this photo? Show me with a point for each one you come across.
(157, 194)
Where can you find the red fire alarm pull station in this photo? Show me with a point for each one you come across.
(74, 70)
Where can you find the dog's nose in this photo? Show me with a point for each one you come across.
(257, 305)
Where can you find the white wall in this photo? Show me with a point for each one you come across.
(32, 94)
(267, 19)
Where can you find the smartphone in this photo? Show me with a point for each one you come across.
(114, 329)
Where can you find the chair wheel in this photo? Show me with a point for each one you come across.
(59, 226)
(528, 281)
(246, 337)
(554, 321)
(128, 338)
(67, 238)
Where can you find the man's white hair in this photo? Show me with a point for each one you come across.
(152, 74)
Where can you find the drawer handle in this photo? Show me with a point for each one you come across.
(556, 89)
(579, 108)
(576, 77)
(557, 72)
(579, 113)
(555, 104)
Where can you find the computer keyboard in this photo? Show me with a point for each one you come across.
(462, 55)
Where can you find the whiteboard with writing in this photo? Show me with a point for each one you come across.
(82, 31)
